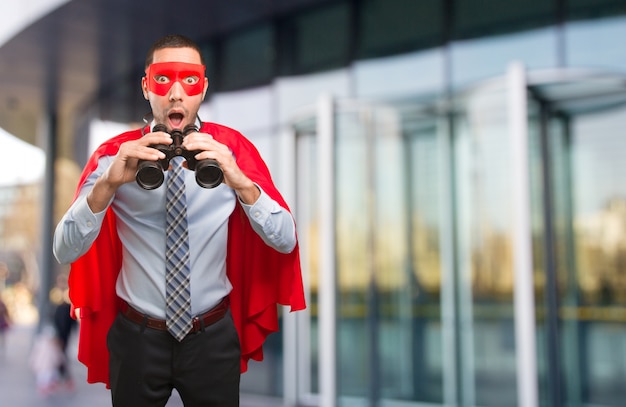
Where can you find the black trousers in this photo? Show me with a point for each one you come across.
(64, 324)
(146, 364)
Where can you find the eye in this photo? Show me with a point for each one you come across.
(161, 79)
(191, 80)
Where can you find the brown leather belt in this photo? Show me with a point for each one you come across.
(199, 322)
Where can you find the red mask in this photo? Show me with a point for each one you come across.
(162, 75)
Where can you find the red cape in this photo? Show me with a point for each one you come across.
(261, 276)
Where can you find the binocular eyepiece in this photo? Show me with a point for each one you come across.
(150, 173)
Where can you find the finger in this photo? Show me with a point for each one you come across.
(140, 152)
(218, 152)
(198, 135)
(157, 137)
(199, 141)
(149, 153)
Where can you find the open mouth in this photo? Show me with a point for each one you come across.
(176, 120)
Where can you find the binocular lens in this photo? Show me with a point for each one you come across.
(149, 175)
(209, 174)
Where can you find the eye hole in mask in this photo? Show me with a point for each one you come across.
(162, 75)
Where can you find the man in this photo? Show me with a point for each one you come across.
(163, 312)
(64, 324)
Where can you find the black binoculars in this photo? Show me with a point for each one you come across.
(150, 173)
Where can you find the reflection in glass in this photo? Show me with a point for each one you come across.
(580, 240)
(592, 266)
(485, 251)
(388, 258)
(393, 344)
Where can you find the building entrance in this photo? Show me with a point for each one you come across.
(465, 250)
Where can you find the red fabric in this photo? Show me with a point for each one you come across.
(261, 277)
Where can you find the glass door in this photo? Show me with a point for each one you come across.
(388, 227)
(388, 332)
(485, 246)
(413, 242)
(576, 230)
(582, 195)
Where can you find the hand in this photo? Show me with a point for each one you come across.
(124, 167)
(233, 176)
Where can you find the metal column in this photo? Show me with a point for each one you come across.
(327, 284)
(525, 337)
(48, 135)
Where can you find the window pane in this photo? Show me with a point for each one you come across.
(247, 59)
(321, 39)
(388, 257)
(392, 26)
(577, 9)
(475, 18)
(592, 43)
(354, 266)
(485, 252)
(599, 202)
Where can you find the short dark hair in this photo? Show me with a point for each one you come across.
(172, 41)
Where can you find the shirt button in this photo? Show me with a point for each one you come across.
(76, 250)
(89, 223)
(257, 214)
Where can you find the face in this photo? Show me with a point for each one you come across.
(161, 76)
(175, 84)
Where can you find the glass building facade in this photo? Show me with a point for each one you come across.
(392, 126)
(455, 169)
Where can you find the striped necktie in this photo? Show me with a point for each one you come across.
(177, 276)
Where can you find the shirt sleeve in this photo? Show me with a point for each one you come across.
(273, 223)
(79, 227)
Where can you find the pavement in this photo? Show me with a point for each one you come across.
(18, 386)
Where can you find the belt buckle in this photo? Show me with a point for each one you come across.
(196, 324)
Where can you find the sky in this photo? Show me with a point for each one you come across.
(21, 162)
(17, 14)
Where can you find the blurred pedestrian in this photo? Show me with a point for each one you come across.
(45, 358)
(64, 324)
(5, 324)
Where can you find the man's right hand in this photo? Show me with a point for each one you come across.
(123, 169)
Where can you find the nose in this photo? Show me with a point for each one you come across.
(176, 92)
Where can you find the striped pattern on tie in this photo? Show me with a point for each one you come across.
(177, 276)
